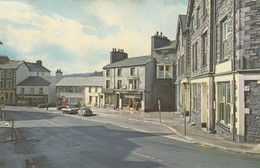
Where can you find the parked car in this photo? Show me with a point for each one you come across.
(85, 111)
(69, 110)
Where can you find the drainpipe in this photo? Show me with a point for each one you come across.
(233, 73)
(214, 43)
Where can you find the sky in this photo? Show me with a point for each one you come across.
(77, 36)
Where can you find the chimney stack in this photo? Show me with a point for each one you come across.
(59, 74)
(117, 55)
(39, 62)
(158, 41)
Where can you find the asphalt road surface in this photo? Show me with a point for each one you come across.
(54, 140)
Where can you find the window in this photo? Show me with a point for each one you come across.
(204, 49)
(108, 72)
(107, 84)
(1, 84)
(204, 7)
(119, 72)
(41, 90)
(198, 16)
(11, 96)
(9, 73)
(2, 74)
(168, 71)
(224, 31)
(195, 56)
(182, 64)
(96, 89)
(22, 90)
(9, 84)
(89, 89)
(164, 71)
(194, 94)
(90, 99)
(160, 71)
(31, 90)
(119, 84)
(132, 84)
(132, 71)
(191, 23)
(224, 102)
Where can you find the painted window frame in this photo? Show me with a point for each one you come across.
(164, 71)
(224, 103)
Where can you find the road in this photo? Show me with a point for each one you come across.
(54, 140)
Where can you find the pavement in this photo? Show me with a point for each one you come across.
(171, 120)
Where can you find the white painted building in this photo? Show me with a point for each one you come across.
(85, 90)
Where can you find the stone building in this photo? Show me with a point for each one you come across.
(237, 69)
(199, 22)
(182, 66)
(225, 65)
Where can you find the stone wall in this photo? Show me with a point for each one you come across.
(248, 34)
(252, 99)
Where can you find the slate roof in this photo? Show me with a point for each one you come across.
(81, 81)
(34, 81)
(171, 46)
(52, 79)
(36, 67)
(130, 62)
(11, 64)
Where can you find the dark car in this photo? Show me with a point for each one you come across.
(85, 111)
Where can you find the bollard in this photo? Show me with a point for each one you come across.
(12, 137)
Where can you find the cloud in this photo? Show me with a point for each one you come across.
(81, 39)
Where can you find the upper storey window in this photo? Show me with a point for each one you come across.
(198, 16)
(108, 73)
(132, 71)
(164, 71)
(224, 44)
